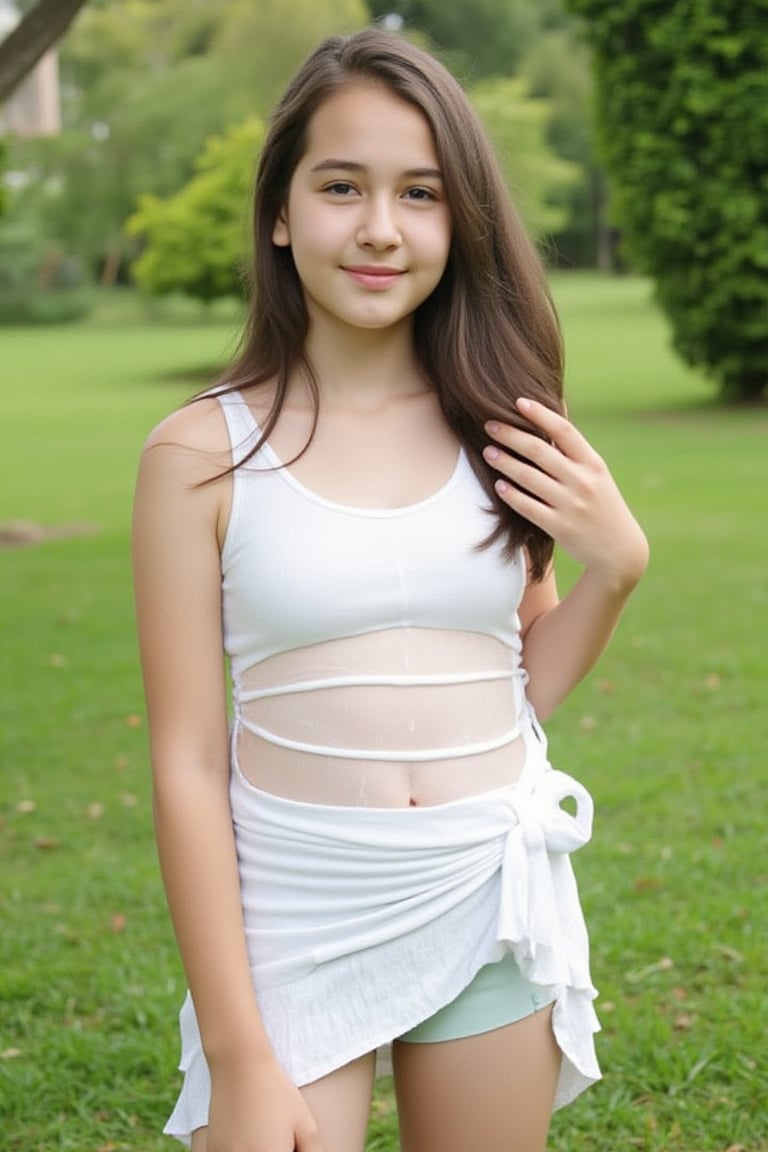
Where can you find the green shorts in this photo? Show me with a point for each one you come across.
(498, 995)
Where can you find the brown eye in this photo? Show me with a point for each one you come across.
(339, 188)
(421, 194)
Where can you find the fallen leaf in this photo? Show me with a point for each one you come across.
(587, 723)
(118, 923)
(10, 1053)
(133, 721)
(680, 993)
(56, 660)
(96, 810)
(712, 681)
(662, 965)
(47, 842)
(26, 806)
(128, 800)
(729, 953)
(643, 883)
(683, 1022)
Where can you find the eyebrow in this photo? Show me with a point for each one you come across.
(334, 165)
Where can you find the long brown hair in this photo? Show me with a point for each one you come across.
(487, 334)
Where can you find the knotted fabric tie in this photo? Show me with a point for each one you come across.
(537, 877)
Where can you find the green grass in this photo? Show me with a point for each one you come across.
(670, 733)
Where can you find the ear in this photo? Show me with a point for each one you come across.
(281, 235)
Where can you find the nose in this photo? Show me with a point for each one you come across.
(378, 226)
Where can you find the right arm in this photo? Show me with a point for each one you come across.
(177, 577)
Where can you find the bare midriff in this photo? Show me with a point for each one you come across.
(392, 719)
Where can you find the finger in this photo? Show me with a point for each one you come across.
(527, 506)
(530, 477)
(555, 427)
(528, 447)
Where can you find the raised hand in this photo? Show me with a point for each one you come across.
(563, 486)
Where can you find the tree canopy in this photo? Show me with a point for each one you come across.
(517, 126)
(482, 38)
(682, 95)
(145, 83)
(196, 241)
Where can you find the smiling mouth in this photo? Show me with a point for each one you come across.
(373, 276)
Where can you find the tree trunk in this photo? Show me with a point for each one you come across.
(111, 269)
(38, 31)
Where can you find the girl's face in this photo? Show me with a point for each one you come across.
(366, 218)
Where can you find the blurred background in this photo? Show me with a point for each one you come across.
(123, 110)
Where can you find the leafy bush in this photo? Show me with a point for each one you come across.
(195, 240)
(537, 177)
(3, 192)
(682, 95)
(38, 285)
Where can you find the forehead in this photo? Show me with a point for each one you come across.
(370, 125)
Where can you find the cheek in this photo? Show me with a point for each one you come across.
(311, 254)
(438, 238)
(317, 233)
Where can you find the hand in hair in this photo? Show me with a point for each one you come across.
(564, 487)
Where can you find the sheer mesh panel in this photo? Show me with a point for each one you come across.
(357, 708)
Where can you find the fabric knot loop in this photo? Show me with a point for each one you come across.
(562, 831)
(529, 916)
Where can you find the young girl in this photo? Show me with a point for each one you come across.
(361, 515)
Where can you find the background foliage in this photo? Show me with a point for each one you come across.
(682, 94)
(482, 38)
(683, 116)
(145, 84)
(196, 241)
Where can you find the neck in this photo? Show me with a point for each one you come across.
(362, 368)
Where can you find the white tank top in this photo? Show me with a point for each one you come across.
(328, 609)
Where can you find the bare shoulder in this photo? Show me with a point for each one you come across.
(184, 485)
(192, 439)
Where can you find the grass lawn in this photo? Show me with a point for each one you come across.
(670, 733)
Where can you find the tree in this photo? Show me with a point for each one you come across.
(197, 239)
(682, 96)
(481, 38)
(517, 127)
(558, 69)
(38, 31)
(144, 84)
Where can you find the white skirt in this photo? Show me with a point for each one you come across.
(363, 922)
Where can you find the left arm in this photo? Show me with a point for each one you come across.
(562, 485)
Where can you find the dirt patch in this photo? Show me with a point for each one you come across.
(25, 533)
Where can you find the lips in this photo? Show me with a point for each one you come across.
(373, 275)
